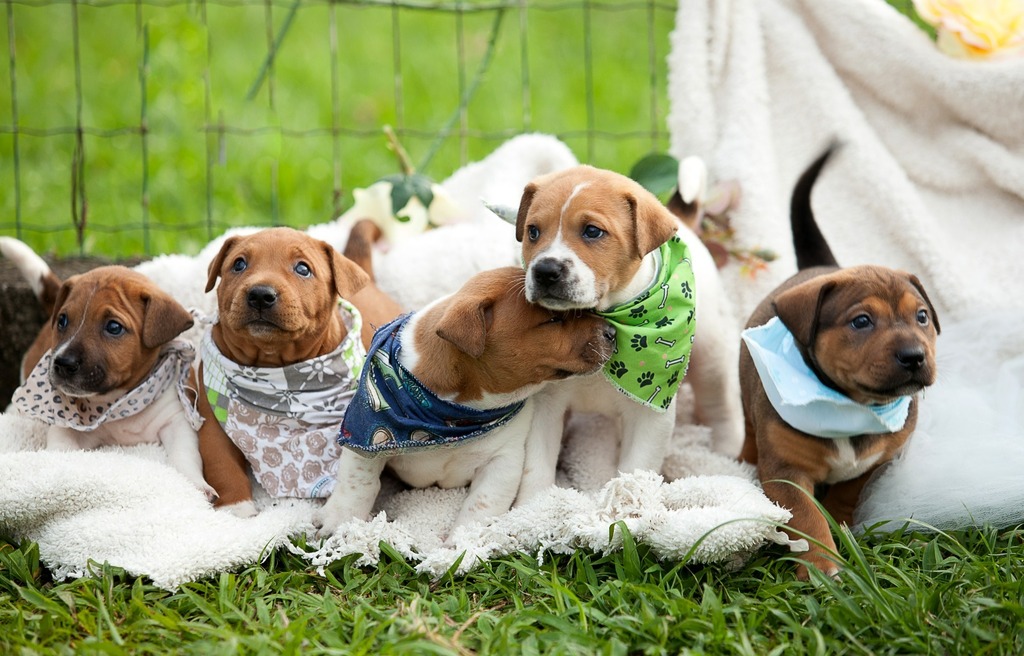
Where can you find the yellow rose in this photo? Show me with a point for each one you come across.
(976, 28)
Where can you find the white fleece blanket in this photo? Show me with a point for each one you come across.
(930, 179)
(128, 508)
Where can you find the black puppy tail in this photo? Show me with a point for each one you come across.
(809, 244)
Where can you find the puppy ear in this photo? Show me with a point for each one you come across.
(60, 298)
(931, 308)
(348, 277)
(653, 224)
(524, 209)
(163, 318)
(213, 271)
(464, 324)
(799, 308)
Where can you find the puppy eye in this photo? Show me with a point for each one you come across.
(592, 232)
(533, 232)
(861, 321)
(113, 328)
(303, 270)
(239, 265)
(62, 321)
(922, 317)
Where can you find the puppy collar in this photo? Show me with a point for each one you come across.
(654, 332)
(38, 399)
(393, 412)
(284, 418)
(803, 401)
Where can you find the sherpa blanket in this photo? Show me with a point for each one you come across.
(929, 178)
(127, 507)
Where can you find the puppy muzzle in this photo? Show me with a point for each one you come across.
(70, 374)
(553, 283)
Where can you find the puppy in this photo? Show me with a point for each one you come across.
(829, 367)
(445, 398)
(279, 365)
(598, 240)
(107, 369)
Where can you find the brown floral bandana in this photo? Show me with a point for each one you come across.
(285, 419)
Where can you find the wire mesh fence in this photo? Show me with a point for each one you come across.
(146, 126)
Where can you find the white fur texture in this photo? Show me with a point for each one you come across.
(31, 266)
(930, 178)
(128, 508)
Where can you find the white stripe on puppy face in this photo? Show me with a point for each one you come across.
(578, 286)
(70, 337)
(575, 190)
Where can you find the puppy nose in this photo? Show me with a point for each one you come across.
(67, 365)
(609, 332)
(910, 358)
(548, 271)
(262, 297)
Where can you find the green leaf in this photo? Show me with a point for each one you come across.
(404, 187)
(658, 173)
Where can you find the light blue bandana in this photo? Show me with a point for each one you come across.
(803, 401)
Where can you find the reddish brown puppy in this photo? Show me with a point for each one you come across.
(106, 369)
(278, 306)
(833, 400)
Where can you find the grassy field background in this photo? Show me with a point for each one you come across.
(221, 150)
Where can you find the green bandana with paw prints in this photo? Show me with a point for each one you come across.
(654, 332)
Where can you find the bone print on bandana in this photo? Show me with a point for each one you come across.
(284, 419)
(654, 332)
(37, 398)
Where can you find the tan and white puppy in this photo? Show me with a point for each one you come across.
(278, 306)
(589, 240)
(483, 348)
(108, 331)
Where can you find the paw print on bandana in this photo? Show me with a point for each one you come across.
(645, 379)
(639, 342)
(617, 368)
(666, 402)
(686, 289)
(637, 312)
(689, 317)
(662, 322)
(673, 379)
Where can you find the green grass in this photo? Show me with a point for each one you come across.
(214, 157)
(902, 593)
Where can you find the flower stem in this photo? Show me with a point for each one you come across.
(396, 146)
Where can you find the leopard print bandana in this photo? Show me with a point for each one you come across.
(284, 419)
(654, 332)
(38, 399)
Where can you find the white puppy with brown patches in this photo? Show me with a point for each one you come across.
(445, 397)
(594, 239)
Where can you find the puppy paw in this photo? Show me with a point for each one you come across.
(825, 565)
(326, 521)
(208, 492)
(243, 509)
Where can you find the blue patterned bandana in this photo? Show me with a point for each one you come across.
(803, 401)
(392, 412)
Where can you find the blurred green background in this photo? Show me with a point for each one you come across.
(166, 115)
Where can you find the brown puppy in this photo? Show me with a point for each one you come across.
(278, 303)
(478, 356)
(105, 371)
(862, 344)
